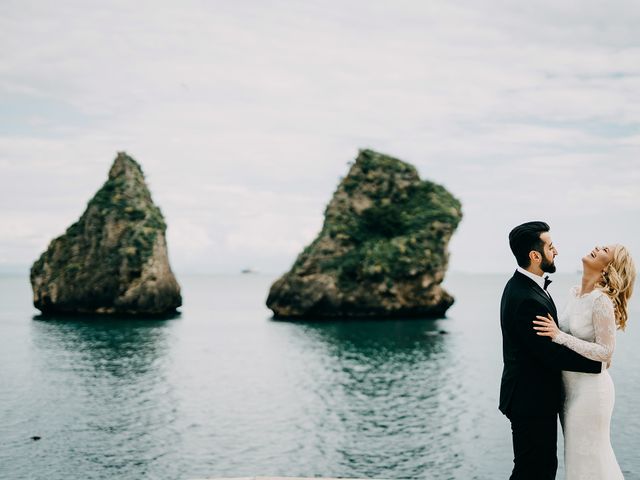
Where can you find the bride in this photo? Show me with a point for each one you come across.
(595, 310)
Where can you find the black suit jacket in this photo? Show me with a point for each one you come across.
(531, 379)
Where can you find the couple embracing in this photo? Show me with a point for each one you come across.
(551, 369)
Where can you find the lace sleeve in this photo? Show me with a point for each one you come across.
(604, 325)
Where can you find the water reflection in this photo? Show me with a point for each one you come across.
(98, 346)
(104, 383)
(379, 393)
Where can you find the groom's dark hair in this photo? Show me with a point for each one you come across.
(525, 238)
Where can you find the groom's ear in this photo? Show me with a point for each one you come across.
(534, 257)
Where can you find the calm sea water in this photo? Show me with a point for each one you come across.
(223, 390)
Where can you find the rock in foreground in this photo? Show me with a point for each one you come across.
(382, 251)
(113, 260)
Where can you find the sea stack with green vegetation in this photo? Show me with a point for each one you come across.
(382, 251)
(114, 259)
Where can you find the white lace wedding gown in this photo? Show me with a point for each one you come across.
(590, 327)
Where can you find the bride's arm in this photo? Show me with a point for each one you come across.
(604, 325)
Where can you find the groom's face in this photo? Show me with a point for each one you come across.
(549, 253)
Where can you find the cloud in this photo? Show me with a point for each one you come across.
(243, 115)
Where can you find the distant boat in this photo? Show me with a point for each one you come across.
(247, 270)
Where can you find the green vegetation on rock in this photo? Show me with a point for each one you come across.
(113, 259)
(381, 250)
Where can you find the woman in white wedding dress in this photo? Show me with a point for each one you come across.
(588, 325)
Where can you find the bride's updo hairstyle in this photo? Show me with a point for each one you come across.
(617, 282)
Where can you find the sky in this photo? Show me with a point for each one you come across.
(245, 114)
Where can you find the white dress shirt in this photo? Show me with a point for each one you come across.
(536, 278)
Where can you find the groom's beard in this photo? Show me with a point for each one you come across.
(547, 266)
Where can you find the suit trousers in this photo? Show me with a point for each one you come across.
(534, 447)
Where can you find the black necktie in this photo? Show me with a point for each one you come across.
(546, 282)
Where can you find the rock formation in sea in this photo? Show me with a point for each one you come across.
(382, 251)
(114, 259)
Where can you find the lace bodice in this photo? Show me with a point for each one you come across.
(588, 325)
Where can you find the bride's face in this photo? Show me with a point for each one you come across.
(599, 257)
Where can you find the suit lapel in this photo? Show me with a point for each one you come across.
(540, 295)
(547, 300)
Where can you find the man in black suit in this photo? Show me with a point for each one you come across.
(531, 387)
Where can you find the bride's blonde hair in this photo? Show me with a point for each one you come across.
(617, 282)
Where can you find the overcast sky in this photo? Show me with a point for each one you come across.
(244, 115)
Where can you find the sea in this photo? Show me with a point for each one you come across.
(223, 390)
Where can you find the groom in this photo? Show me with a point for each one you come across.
(531, 387)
